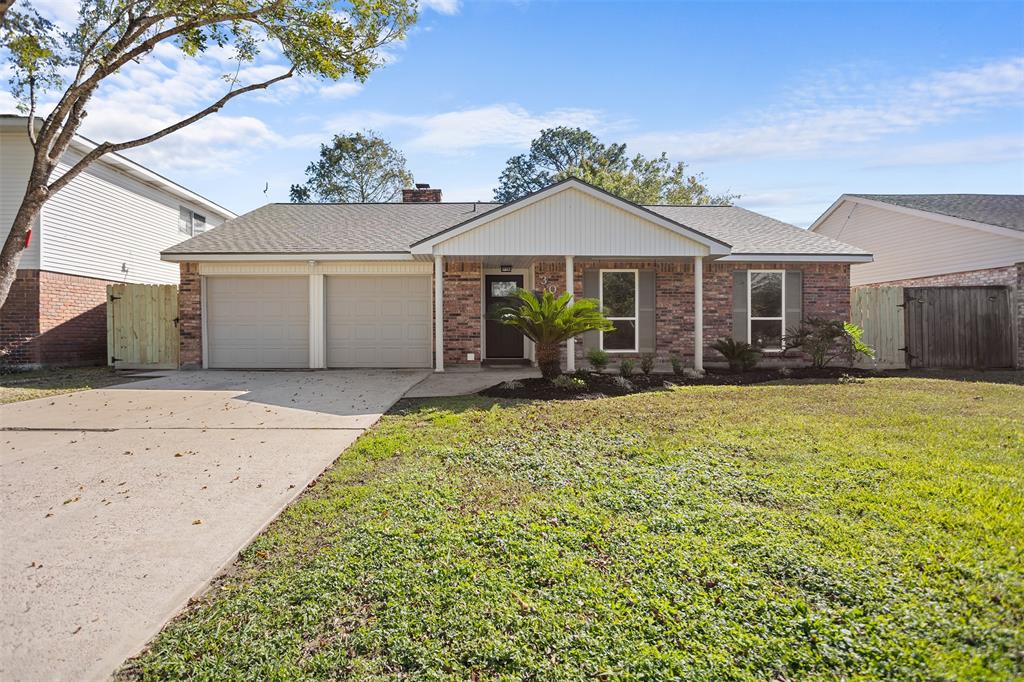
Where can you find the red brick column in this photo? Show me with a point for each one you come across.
(190, 317)
(1020, 315)
(19, 321)
(462, 291)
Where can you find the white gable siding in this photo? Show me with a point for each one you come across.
(570, 223)
(906, 246)
(15, 164)
(103, 219)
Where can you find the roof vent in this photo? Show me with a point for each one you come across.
(422, 194)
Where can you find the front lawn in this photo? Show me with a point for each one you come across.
(861, 530)
(41, 383)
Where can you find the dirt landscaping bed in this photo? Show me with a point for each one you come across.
(596, 385)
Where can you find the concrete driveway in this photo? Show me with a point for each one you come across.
(117, 505)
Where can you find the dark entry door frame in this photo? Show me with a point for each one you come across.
(501, 342)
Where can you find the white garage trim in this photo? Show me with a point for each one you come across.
(307, 267)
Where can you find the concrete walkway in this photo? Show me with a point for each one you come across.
(465, 382)
(118, 505)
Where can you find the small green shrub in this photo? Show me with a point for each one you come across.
(740, 355)
(647, 363)
(569, 383)
(677, 364)
(627, 367)
(624, 384)
(598, 359)
(828, 340)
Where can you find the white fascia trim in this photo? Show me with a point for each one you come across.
(206, 257)
(796, 258)
(959, 222)
(714, 247)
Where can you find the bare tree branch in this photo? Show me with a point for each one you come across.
(109, 147)
(4, 6)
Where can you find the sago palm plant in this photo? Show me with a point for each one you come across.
(549, 322)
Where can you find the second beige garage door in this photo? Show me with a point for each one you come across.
(378, 321)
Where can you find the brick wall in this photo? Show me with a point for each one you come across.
(992, 276)
(1020, 314)
(462, 291)
(19, 321)
(55, 319)
(826, 293)
(190, 323)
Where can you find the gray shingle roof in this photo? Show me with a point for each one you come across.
(1002, 210)
(392, 228)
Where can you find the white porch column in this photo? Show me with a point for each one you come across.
(317, 335)
(438, 313)
(570, 345)
(698, 313)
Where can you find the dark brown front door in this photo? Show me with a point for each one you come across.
(502, 341)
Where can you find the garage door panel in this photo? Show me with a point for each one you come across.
(378, 321)
(257, 322)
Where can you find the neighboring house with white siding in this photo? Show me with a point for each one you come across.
(929, 240)
(107, 225)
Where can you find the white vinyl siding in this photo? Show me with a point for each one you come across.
(15, 164)
(907, 246)
(571, 223)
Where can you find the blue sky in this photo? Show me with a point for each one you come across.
(787, 104)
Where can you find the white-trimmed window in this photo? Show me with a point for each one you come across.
(190, 222)
(619, 300)
(766, 318)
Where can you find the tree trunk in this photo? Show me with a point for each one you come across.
(15, 244)
(549, 360)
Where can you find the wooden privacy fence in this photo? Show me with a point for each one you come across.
(936, 327)
(879, 312)
(142, 326)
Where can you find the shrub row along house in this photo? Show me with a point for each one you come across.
(362, 285)
(107, 225)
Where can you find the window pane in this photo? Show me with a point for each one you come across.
(619, 294)
(766, 294)
(185, 221)
(623, 338)
(766, 333)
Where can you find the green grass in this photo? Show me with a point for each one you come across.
(42, 383)
(856, 531)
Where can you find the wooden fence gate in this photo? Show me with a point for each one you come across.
(879, 312)
(142, 326)
(958, 327)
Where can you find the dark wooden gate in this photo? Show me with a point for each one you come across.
(958, 327)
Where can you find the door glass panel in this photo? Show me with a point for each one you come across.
(501, 289)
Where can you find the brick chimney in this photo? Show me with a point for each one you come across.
(421, 195)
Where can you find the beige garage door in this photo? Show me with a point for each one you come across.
(378, 321)
(257, 322)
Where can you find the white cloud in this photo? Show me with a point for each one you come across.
(991, 149)
(441, 6)
(497, 125)
(340, 89)
(842, 123)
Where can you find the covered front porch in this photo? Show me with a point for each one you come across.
(656, 304)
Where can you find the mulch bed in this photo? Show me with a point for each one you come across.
(604, 385)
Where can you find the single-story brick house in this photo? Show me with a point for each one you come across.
(360, 285)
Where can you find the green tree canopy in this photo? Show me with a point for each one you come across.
(559, 153)
(315, 38)
(360, 167)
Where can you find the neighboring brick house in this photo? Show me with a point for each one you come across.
(108, 225)
(935, 240)
(360, 285)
